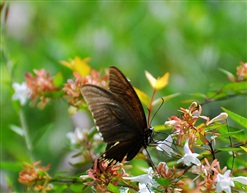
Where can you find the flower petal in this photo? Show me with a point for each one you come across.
(240, 179)
(22, 92)
(145, 178)
(220, 117)
(162, 82)
(151, 79)
(143, 97)
(186, 148)
(166, 145)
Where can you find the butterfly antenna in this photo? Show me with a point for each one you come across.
(157, 110)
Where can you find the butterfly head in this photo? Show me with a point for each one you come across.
(148, 136)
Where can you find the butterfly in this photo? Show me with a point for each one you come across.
(119, 115)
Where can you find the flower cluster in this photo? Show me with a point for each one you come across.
(35, 177)
(83, 74)
(84, 143)
(37, 87)
(73, 86)
(103, 174)
(241, 73)
(41, 85)
(191, 172)
(185, 128)
(208, 178)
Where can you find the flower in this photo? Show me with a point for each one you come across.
(158, 83)
(189, 158)
(225, 182)
(35, 176)
(78, 65)
(41, 84)
(103, 173)
(75, 137)
(22, 92)
(242, 71)
(144, 178)
(144, 188)
(170, 123)
(220, 117)
(72, 88)
(166, 145)
(145, 181)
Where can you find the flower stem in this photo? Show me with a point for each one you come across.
(26, 134)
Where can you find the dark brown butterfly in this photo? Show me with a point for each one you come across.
(120, 117)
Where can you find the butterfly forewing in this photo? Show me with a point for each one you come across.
(121, 87)
(110, 116)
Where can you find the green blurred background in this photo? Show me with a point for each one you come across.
(191, 40)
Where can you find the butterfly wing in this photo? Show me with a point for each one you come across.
(113, 120)
(121, 87)
(118, 150)
(119, 115)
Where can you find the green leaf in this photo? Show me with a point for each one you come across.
(11, 166)
(17, 130)
(41, 133)
(236, 86)
(160, 128)
(163, 182)
(76, 187)
(229, 149)
(58, 79)
(236, 133)
(230, 89)
(199, 95)
(229, 74)
(165, 98)
(113, 188)
(60, 188)
(239, 162)
(237, 118)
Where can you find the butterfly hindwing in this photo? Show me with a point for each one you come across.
(118, 150)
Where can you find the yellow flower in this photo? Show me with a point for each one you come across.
(158, 83)
(78, 65)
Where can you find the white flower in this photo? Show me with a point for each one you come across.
(189, 158)
(75, 137)
(84, 177)
(225, 182)
(240, 179)
(144, 178)
(22, 92)
(220, 117)
(166, 145)
(144, 188)
(170, 123)
(145, 181)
